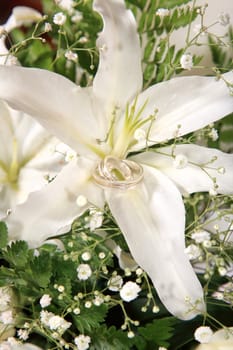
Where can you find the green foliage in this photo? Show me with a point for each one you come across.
(157, 333)
(16, 254)
(90, 319)
(3, 234)
(221, 52)
(110, 339)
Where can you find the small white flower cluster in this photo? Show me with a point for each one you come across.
(203, 334)
(200, 236)
(54, 322)
(130, 291)
(95, 219)
(45, 300)
(71, 56)
(7, 312)
(67, 5)
(186, 61)
(180, 161)
(225, 293)
(115, 283)
(59, 18)
(224, 19)
(161, 12)
(84, 272)
(82, 342)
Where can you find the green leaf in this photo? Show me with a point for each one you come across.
(89, 319)
(3, 234)
(16, 254)
(104, 338)
(41, 270)
(159, 331)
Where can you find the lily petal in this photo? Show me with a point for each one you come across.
(119, 77)
(6, 132)
(22, 15)
(151, 217)
(185, 104)
(204, 165)
(51, 211)
(56, 102)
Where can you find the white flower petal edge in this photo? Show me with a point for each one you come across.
(51, 210)
(22, 15)
(150, 217)
(57, 103)
(116, 48)
(204, 165)
(185, 104)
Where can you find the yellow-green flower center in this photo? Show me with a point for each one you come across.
(12, 169)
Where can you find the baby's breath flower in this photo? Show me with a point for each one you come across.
(71, 56)
(96, 219)
(98, 300)
(130, 334)
(45, 300)
(180, 161)
(5, 297)
(193, 251)
(212, 192)
(23, 334)
(6, 317)
(213, 134)
(186, 61)
(115, 283)
(129, 291)
(200, 236)
(59, 18)
(77, 17)
(88, 304)
(224, 19)
(58, 323)
(84, 272)
(82, 342)
(203, 334)
(47, 27)
(81, 201)
(86, 256)
(162, 12)
(61, 289)
(102, 255)
(66, 5)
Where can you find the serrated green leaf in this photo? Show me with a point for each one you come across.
(41, 270)
(159, 331)
(16, 254)
(3, 234)
(89, 319)
(148, 49)
(110, 339)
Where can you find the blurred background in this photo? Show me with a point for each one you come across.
(7, 5)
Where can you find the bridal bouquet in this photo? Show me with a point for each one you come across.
(116, 175)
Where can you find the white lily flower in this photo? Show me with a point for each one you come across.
(99, 122)
(27, 156)
(13, 344)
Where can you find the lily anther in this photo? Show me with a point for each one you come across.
(117, 173)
